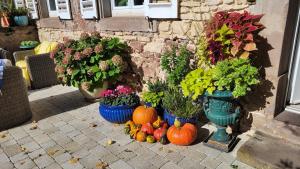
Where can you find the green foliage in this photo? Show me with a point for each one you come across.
(157, 86)
(129, 100)
(178, 105)
(236, 75)
(197, 82)
(223, 33)
(90, 60)
(19, 11)
(29, 43)
(152, 97)
(202, 53)
(176, 62)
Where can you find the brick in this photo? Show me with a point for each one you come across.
(53, 166)
(62, 158)
(30, 147)
(126, 155)
(3, 158)
(189, 163)
(120, 164)
(211, 162)
(213, 2)
(12, 150)
(43, 161)
(170, 165)
(18, 157)
(37, 153)
(174, 157)
(25, 164)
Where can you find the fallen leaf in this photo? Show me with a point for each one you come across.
(101, 165)
(73, 160)
(22, 162)
(23, 149)
(170, 151)
(127, 150)
(93, 125)
(110, 142)
(33, 127)
(52, 152)
(2, 135)
(161, 149)
(116, 125)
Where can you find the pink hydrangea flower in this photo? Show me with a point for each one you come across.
(77, 56)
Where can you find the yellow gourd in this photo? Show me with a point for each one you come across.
(158, 122)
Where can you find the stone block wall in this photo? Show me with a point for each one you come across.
(147, 45)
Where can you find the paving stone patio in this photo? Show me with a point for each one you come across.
(71, 134)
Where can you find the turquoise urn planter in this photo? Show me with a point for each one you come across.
(21, 20)
(221, 109)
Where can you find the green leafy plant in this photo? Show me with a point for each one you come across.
(176, 62)
(19, 11)
(155, 92)
(180, 106)
(197, 82)
(236, 75)
(90, 61)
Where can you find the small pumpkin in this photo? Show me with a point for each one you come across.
(158, 133)
(133, 131)
(147, 128)
(141, 136)
(150, 139)
(144, 114)
(184, 135)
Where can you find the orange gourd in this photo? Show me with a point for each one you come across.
(141, 136)
(184, 135)
(144, 114)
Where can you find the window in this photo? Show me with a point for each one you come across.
(127, 7)
(52, 8)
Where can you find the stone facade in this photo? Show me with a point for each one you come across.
(147, 45)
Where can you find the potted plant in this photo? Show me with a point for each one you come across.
(184, 109)
(4, 15)
(117, 105)
(153, 97)
(20, 16)
(90, 63)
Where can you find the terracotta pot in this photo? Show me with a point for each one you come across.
(95, 94)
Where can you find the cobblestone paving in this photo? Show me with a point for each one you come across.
(70, 134)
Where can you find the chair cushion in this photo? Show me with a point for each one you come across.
(45, 47)
(22, 64)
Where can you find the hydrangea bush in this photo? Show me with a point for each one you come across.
(122, 95)
(90, 61)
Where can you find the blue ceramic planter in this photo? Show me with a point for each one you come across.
(21, 20)
(170, 118)
(116, 114)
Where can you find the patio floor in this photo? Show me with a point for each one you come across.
(71, 134)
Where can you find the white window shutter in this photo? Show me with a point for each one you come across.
(31, 5)
(19, 3)
(89, 9)
(161, 9)
(63, 9)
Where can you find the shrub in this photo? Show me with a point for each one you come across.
(155, 92)
(90, 61)
(178, 105)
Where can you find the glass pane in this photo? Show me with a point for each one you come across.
(52, 5)
(121, 3)
(138, 2)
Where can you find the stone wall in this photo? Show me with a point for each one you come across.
(147, 45)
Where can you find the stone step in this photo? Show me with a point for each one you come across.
(267, 152)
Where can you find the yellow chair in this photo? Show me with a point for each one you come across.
(44, 47)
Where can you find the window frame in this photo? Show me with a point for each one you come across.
(129, 10)
(52, 13)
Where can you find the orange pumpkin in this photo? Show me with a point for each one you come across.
(184, 135)
(144, 114)
(141, 136)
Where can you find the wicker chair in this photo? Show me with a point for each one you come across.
(3, 54)
(41, 68)
(14, 103)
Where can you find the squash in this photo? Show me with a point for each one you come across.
(144, 114)
(147, 128)
(150, 139)
(158, 122)
(141, 136)
(133, 131)
(158, 133)
(184, 135)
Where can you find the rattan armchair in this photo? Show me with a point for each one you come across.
(14, 103)
(3, 54)
(41, 68)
